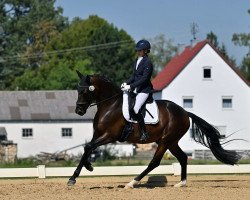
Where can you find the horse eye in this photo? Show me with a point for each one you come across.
(81, 91)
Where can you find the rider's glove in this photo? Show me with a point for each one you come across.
(126, 88)
(122, 85)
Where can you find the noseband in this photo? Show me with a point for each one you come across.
(91, 88)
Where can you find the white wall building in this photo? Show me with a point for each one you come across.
(202, 81)
(44, 121)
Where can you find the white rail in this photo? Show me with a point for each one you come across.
(42, 172)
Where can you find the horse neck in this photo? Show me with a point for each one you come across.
(105, 92)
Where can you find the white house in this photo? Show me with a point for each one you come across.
(44, 121)
(202, 81)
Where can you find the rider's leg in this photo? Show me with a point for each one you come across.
(125, 106)
(140, 100)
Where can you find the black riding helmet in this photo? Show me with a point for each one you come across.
(143, 45)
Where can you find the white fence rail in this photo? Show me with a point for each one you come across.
(42, 172)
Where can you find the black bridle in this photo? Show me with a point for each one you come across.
(91, 98)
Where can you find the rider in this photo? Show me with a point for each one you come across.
(140, 83)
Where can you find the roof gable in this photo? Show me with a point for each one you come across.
(179, 62)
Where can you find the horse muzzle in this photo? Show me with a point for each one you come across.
(80, 111)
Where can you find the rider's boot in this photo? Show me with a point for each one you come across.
(140, 120)
(127, 130)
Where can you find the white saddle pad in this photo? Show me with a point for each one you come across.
(151, 107)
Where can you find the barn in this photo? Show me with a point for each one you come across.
(204, 82)
(44, 121)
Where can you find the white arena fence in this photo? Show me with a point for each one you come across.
(175, 169)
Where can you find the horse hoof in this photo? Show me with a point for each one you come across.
(89, 168)
(71, 182)
(131, 184)
(181, 184)
(128, 187)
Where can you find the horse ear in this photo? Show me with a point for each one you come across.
(79, 74)
(88, 79)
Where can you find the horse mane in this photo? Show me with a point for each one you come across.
(106, 80)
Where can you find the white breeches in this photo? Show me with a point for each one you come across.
(139, 101)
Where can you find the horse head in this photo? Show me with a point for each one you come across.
(85, 94)
(95, 88)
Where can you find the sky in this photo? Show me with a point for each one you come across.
(173, 18)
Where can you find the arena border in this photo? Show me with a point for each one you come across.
(41, 171)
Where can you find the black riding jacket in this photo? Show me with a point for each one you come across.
(140, 78)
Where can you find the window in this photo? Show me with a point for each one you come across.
(66, 132)
(187, 103)
(227, 102)
(27, 132)
(207, 73)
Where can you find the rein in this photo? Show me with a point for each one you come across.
(94, 104)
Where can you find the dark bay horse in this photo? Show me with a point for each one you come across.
(173, 124)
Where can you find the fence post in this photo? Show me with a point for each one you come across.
(176, 169)
(41, 171)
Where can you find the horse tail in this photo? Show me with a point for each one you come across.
(207, 135)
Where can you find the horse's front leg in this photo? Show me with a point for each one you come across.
(84, 160)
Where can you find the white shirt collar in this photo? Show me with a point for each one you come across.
(138, 61)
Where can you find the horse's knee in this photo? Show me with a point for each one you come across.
(155, 163)
(87, 147)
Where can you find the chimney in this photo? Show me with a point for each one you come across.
(193, 42)
(180, 48)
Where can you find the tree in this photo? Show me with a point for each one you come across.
(59, 77)
(3, 19)
(19, 22)
(212, 38)
(91, 46)
(243, 39)
(245, 67)
(223, 50)
(2, 54)
(44, 31)
(116, 56)
(110, 51)
(162, 50)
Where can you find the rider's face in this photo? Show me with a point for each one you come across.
(141, 53)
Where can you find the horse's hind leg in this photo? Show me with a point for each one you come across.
(155, 162)
(182, 158)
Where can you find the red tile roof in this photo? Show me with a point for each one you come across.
(176, 65)
(179, 62)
